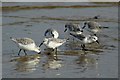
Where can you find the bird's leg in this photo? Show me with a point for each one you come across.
(19, 52)
(73, 39)
(83, 48)
(56, 53)
(25, 52)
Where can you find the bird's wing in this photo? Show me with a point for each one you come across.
(79, 36)
(57, 40)
(25, 41)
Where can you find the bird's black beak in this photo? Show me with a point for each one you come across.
(95, 35)
(82, 30)
(46, 33)
(97, 41)
(41, 44)
(65, 30)
(39, 53)
(83, 27)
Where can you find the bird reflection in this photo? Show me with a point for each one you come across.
(26, 63)
(51, 62)
(72, 45)
(86, 61)
(50, 53)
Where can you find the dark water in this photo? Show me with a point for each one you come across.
(102, 62)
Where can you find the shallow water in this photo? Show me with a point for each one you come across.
(100, 62)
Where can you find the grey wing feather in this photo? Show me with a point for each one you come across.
(25, 41)
(58, 40)
(93, 25)
(79, 36)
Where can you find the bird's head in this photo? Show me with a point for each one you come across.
(95, 38)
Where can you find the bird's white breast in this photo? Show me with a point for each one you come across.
(27, 47)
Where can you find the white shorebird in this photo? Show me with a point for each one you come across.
(93, 26)
(85, 39)
(26, 44)
(73, 28)
(53, 43)
(51, 33)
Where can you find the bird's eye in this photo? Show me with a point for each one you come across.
(94, 38)
(66, 26)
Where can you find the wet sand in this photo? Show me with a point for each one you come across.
(100, 62)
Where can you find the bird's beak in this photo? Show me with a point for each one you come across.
(41, 44)
(83, 27)
(65, 30)
(97, 41)
(46, 33)
(39, 53)
(82, 30)
(94, 34)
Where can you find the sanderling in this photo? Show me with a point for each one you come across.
(51, 33)
(85, 39)
(53, 43)
(93, 26)
(26, 44)
(73, 28)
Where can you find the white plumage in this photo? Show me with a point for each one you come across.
(51, 33)
(26, 44)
